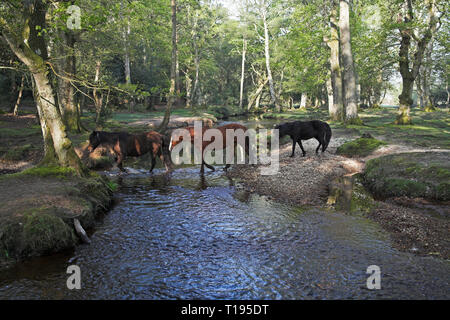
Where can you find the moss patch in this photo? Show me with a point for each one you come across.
(46, 171)
(421, 174)
(47, 233)
(360, 147)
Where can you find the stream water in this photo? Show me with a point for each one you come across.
(192, 237)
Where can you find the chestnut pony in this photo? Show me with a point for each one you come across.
(175, 139)
(124, 144)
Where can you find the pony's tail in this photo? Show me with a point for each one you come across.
(327, 136)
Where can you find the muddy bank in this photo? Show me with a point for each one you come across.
(38, 210)
(300, 180)
(415, 224)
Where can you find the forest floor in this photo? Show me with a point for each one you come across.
(305, 181)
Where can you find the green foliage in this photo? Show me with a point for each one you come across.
(112, 186)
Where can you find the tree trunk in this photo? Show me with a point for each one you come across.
(19, 97)
(257, 94)
(66, 94)
(165, 122)
(303, 101)
(188, 84)
(244, 51)
(409, 73)
(419, 86)
(330, 94)
(273, 97)
(127, 63)
(426, 79)
(194, 94)
(50, 157)
(337, 109)
(177, 75)
(98, 97)
(350, 90)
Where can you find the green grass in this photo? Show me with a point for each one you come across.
(430, 130)
(20, 132)
(16, 153)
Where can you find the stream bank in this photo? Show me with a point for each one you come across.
(416, 222)
(39, 208)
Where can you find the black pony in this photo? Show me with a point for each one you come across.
(304, 130)
(124, 144)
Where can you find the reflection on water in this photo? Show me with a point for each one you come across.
(187, 236)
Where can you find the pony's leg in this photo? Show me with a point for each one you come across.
(119, 150)
(163, 160)
(152, 156)
(293, 147)
(324, 146)
(209, 166)
(226, 167)
(119, 163)
(202, 167)
(301, 147)
(318, 147)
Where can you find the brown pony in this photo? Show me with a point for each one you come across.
(124, 144)
(176, 139)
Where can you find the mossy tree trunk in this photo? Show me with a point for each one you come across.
(30, 48)
(409, 70)
(50, 157)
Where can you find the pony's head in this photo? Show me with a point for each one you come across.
(94, 140)
(282, 128)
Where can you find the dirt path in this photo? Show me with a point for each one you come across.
(175, 121)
